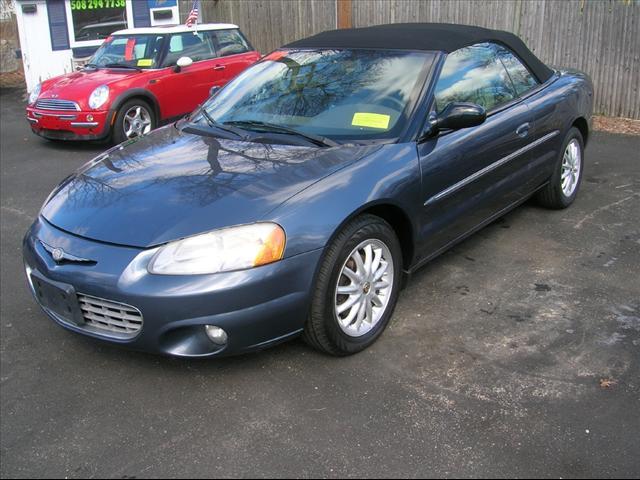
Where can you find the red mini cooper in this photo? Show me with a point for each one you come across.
(138, 79)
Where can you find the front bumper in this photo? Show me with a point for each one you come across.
(257, 307)
(70, 125)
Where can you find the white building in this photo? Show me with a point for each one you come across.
(58, 35)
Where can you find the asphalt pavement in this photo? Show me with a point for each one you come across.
(513, 355)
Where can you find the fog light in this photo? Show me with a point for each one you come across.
(216, 334)
(89, 118)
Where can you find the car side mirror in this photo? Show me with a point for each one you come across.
(459, 115)
(182, 62)
(213, 90)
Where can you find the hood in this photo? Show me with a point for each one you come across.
(171, 184)
(77, 86)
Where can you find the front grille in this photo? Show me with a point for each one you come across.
(61, 116)
(57, 104)
(114, 317)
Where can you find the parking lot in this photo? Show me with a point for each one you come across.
(514, 354)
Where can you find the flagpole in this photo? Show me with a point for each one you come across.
(196, 3)
(194, 16)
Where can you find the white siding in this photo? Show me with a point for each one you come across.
(40, 62)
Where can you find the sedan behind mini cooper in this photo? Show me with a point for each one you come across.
(297, 199)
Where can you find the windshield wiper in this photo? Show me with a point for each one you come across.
(213, 124)
(270, 127)
(91, 65)
(122, 65)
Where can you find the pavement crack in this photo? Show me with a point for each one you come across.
(603, 208)
(17, 211)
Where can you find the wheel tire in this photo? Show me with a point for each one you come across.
(552, 195)
(118, 134)
(322, 330)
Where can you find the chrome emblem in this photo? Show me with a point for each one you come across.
(59, 255)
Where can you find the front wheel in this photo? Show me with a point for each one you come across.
(134, 118)
(567, 176)
(356, 289)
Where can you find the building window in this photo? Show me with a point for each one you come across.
(96, 19)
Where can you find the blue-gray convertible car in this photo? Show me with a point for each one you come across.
(299, 197)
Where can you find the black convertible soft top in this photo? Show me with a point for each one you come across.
(445, 37)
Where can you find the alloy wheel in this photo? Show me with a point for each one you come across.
(571, 166)
(136, 121)
(364, 287)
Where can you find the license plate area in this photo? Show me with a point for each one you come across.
(51, 122)
(58, 298)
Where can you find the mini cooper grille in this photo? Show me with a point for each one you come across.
(55, 104)
(114, 317)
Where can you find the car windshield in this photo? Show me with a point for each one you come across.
(338, 94)
(134, 51)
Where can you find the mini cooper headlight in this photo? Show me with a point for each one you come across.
(35, 93)
(99, 96)
(228, 249)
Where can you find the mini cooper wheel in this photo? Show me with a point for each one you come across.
(356, 289)
(134, 119)
(567, 176)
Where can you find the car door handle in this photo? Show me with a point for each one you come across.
(523, 130)
(219, 67)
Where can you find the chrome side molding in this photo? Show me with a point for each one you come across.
(465, 181)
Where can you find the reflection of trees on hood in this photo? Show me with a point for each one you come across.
(229, 167)
(197, 171)
(86, 190)
(98, 179)
(230, 170)
(316, 80)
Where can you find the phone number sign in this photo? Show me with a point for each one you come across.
(96, 4)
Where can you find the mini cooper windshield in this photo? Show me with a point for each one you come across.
(128, 51)
(337, 94)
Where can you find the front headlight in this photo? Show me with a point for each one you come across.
(224, 250)
(35, 93)
(99, 96)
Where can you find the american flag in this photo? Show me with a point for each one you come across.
(192, 18)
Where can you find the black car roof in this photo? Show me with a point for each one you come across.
(445, 37)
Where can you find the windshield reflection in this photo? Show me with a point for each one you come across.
(340, 94)
(134, 51)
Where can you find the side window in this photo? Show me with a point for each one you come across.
(230, 42)
(196, 46)
(474, 74)
(521, 77)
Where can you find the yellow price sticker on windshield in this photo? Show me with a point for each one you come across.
(371, 120)
(145, 62)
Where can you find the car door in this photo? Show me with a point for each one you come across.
(234, 54)
(545, 134)
(469, 175)
(180, 90)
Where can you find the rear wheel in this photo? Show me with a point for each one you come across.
(134, 118)
(357, 288)
(567, 176)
